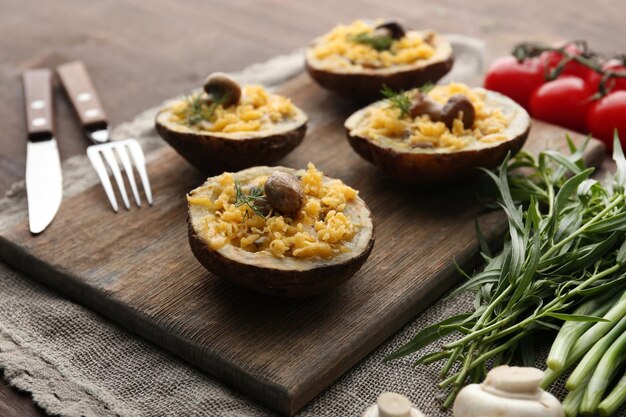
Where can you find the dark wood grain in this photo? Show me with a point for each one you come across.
(14, 403)
(142, 51)
(140, 272)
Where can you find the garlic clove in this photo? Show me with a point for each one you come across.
(514, 380)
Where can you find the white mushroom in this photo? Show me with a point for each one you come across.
(507, 392)
(390, 404)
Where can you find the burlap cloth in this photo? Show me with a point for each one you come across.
(76, 363)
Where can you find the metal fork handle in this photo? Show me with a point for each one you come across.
(83, 96)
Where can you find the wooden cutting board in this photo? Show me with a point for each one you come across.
(136, 267)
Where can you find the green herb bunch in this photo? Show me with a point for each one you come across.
(565, 246)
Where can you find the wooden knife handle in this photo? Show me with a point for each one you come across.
(82, 94)
(38, 101)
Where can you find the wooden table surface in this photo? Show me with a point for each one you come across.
(143, 51)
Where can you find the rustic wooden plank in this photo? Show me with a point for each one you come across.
(136, 268)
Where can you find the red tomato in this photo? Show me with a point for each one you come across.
(606, 115)
(564, 102)
(514, 79)
(552, 59)
(616, 84)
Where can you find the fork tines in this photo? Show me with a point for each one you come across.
(110, 155)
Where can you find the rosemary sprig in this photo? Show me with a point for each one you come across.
(564, 247)
(378, 42)
(398, 99)
(250, 199)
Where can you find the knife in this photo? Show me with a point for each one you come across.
(44, 181)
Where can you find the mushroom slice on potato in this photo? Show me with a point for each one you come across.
(262, 271)
(431, 165)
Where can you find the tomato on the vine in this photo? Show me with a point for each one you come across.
(514, 79)
(564, 101)
(551, 60)
(615, 84)
(606, 115)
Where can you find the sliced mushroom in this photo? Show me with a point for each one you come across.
(284, 193)
(458, 105)
(422, 104)
(390, 28)
(223, 89)
(429, 37)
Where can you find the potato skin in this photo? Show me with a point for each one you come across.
(214, 154)
(282, 283)
(434, 168)
(365, 87)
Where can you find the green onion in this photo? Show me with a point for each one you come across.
(587, 340)
(571, 403)
(614, 400)
(613, 358)
(594, 356)
(616, 313)
(572, 330)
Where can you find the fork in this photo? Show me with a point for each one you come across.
(105, 155)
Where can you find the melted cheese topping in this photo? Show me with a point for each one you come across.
(339, 49)
(420, 132)
(318, 230)
(257, 110)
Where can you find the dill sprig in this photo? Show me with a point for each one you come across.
(425, 89)
(398, 99)
(378, 42)
(198, 109)
(194, 112)
(250, 199)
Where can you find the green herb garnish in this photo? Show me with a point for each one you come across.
(250, 199)
(194, 113)
(565, 247)
(425, 89)
(378, 42)
(198, 109)
(398, 99)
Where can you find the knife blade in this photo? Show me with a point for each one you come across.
(44, 180)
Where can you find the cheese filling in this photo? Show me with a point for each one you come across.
(385, 122)
(320, 229)
(339, 48)
(257, 110)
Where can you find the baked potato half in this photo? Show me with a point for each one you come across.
(236, 233)
(216, 133)
(426, 149)
(352, 61)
